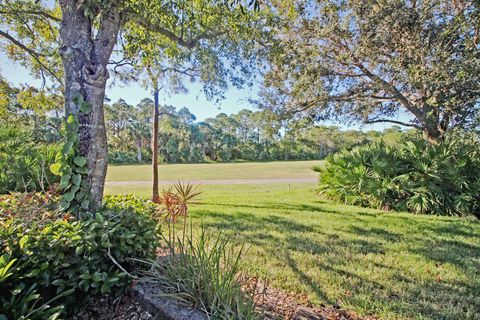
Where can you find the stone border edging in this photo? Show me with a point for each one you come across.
(162, 307)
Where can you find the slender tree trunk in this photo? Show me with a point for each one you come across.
(155, 195)
(139, 150)
(85, 58)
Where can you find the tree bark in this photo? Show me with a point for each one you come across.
(432, 133)
(433, 128)
(85, 58)
(139, 150)
(155, 194)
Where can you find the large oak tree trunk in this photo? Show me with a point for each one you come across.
(434, 128)
(85, 58)
(155, 195)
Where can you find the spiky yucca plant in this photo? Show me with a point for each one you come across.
(175, 203)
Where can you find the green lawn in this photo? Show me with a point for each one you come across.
(245, 170)
(394, 265)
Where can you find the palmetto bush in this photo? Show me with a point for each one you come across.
(24, 164)
(414, 176)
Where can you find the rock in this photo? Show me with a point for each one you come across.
(304, 313)
(151, 297)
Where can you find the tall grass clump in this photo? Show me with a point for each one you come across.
(414, 176)
(201, 271)
(205, 273)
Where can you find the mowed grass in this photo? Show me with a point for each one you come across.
(215, 171)
(393, 265)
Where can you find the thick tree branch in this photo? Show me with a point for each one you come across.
(411, 125)
(188, 43)
(32, 53)
(32, 12)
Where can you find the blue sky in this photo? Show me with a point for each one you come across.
(194, 100)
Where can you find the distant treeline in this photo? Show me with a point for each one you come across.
(247, 135)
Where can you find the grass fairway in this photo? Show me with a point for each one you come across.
(214, 171)
(394, 265)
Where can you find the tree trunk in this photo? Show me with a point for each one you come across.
(139, 150)
(155, 195)
(432, 130)
(85, 58)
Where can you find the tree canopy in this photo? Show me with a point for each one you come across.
(84, 34)
(368, 60)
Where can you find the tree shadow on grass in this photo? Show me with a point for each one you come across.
(461, 254)
(242, 221)
(411, 296)
(275, 206)
(439, 299)
(376, 233)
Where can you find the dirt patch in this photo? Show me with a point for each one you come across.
(271, 304)
(274, 304)
(110, 308)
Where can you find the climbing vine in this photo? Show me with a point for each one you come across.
(71, 166)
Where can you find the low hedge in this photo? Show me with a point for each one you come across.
(57, 253)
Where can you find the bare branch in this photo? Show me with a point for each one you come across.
(32, 53)
(32, 12)
(411, 125)
(188, 43)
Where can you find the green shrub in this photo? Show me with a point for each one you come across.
(90, 256)
(24, 164)
(19, 302)
(414, 176)
(120, 157)
(204, 273)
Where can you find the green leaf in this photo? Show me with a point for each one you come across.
(67, 147)
(99, 217)
(79, 251)
(76, 179)
(96, 277)
(74, 189)
(59, 283)
(23, 241)
(105, 287)
(80, 195)
(55, 168)
(64, 205)
(85, 276)
(83, 170)
(80, 161)
(64, 182)
(72, 122)
(85, 204)
(69, 196)
(85, 107)
(70, 119)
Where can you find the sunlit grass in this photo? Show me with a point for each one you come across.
(394, 265)
(238, 170)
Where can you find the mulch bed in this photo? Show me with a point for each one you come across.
(275, 304)
(109, 308)
(271, 303)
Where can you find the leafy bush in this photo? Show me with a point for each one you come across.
(90, 256)
(205, 274)
(17, 301)
(414, 176)
(120, 157)
(24, 165)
